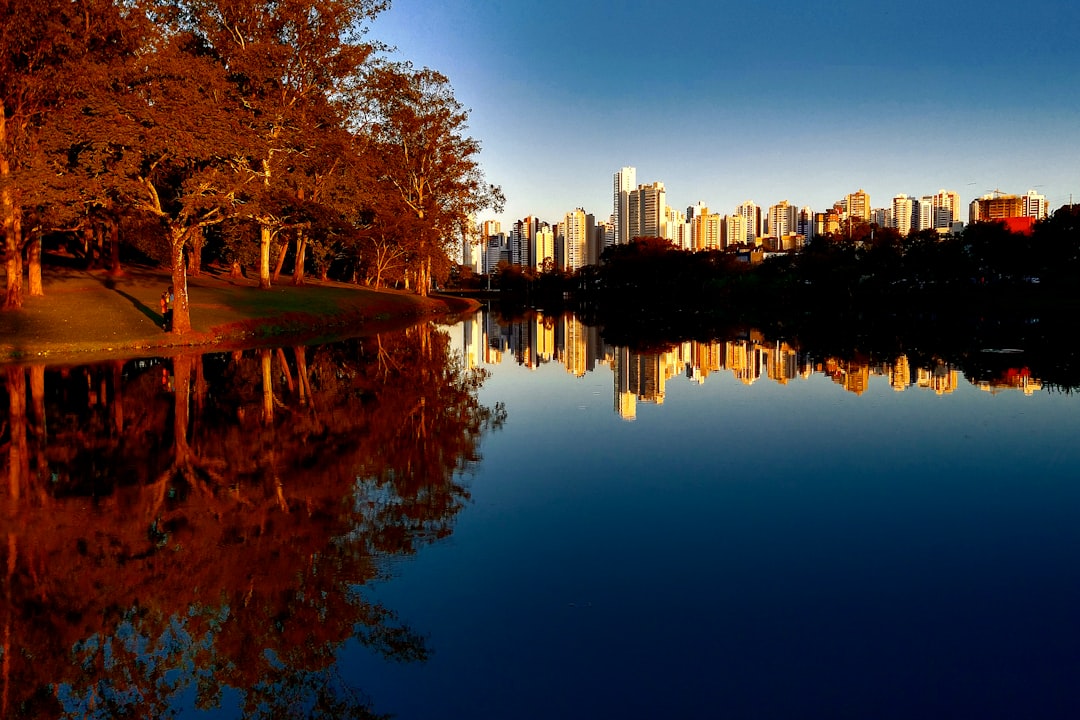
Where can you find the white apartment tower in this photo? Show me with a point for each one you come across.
(624, 182)
(783, 219)
(577, 231)
(925, 216)
(1035, 205)
(902, 210)
(752, 213)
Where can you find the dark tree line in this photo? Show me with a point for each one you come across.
(254, 130)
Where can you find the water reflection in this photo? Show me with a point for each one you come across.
(195, 532)
(641, 376)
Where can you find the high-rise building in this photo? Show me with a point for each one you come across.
(882, 217)
(946, 208)
(995, 206)
(805, 226)
(544, 245)
(522, 237)
(857, 205)
(902, 210)
(578, 228)
(783, 219)
(695, 210)
(827, 223)
(1035, 205)
(734, 231)
(708, 232)
(752, 213)
(923, 218)
(624, 182)
(647, 206)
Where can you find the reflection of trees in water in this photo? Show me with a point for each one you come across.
(204, 523)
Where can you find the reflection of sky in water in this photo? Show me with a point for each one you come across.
(751, 551)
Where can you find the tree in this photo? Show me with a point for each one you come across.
(43, 48)
(425, 167)
(164, 136)
(290, 63)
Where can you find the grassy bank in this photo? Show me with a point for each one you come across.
(89, 314)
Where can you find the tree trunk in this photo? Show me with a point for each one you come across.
(198, 239)
(12, 245)
(33, 257)
(267, 386)
(18, 448)
(280, 261)
(301, 250)
(182, 413)
(181, 318)
(114, 246)
(264, 256)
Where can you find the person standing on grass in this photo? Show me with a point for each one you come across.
(167, 298)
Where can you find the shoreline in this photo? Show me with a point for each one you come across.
(90, 315)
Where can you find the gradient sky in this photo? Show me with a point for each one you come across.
(802, 101)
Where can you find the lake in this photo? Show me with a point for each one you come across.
(513, 518)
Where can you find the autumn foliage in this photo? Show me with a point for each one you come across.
(258, 132)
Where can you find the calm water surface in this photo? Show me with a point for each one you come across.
(736, 529)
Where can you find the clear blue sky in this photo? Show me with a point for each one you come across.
(802, 101)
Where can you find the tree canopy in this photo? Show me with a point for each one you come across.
(237, 127)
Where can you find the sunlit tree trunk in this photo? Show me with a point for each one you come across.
(301, 251)
(18, 452)
(195, 248)
(284, 365)
(181, 319)
(280, 262)
(302, 374)
(268, 386)
(265, 236)
(12, 242)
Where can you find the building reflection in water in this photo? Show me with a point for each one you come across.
(641, 377)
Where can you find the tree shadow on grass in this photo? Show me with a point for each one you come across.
(142, 307)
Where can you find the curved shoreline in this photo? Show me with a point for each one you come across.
(89, 315)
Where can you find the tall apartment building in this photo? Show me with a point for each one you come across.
(671, 227)
(827, 223)
(902, 210)
(752, 213)
(946, 208)
(578, 229)
(1035, 205)
(783, 219)
(805, 225)
(648, 204)
(924, 216)
(624, 183)
(857, 205)
(522, 242)
(733, 231)
(544, 245)
(708, 231)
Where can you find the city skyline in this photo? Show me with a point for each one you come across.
(735, 102)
